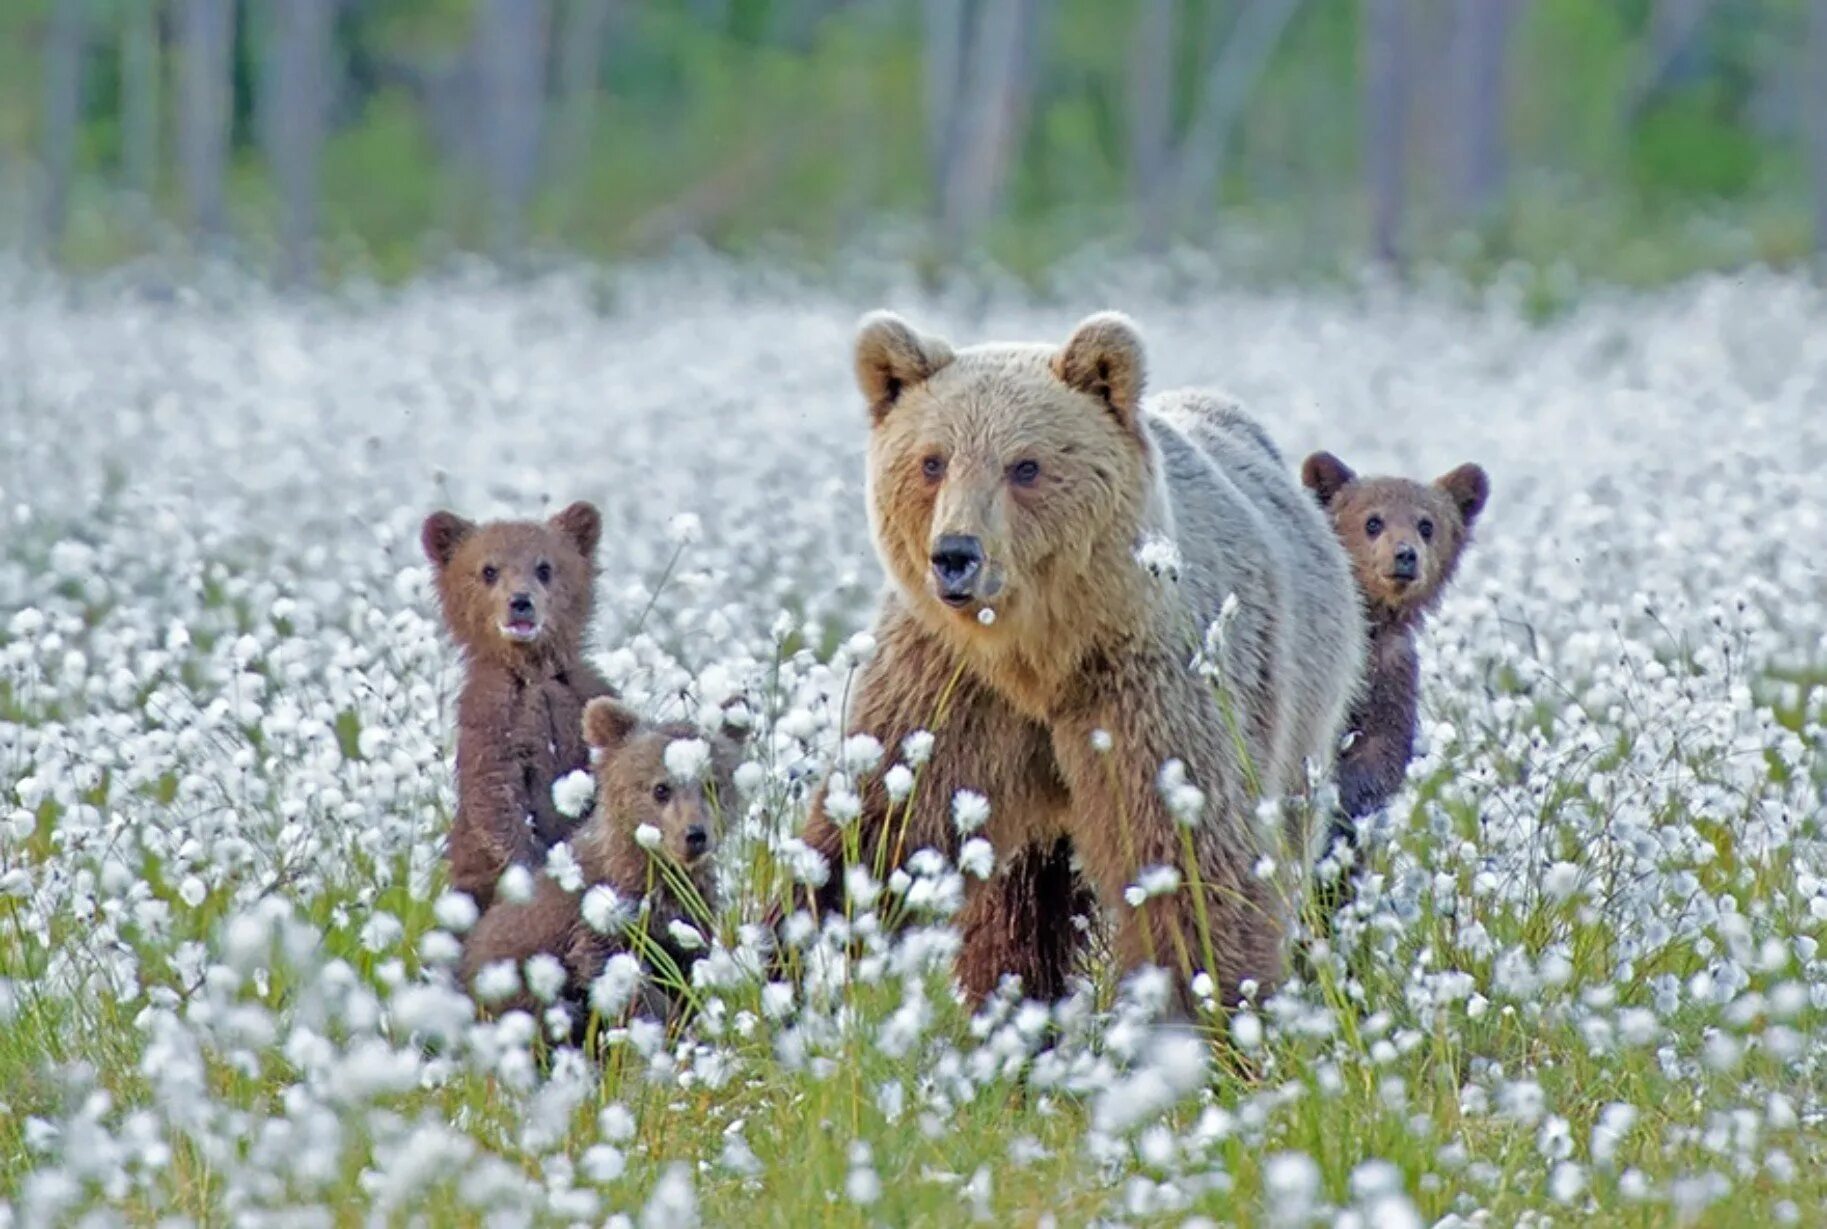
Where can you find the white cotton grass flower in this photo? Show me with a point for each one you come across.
(516, 885)
(1152, 882)
(977, 858)
(674, 1201)
(497, 981)
(898, 781)
(1185, 801)
(1159, 556)
(687, 758)
(684, 529)
(648, 837)
(917, 748)
(970, 811)
(545, 977)
(562, 867)
(615, 986)
(860, 755)
(456, 912)
(685, 935)
(573, 793)
(604, 910)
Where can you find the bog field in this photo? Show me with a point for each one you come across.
(1581, 982)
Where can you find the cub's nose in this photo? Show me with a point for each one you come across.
(1407, 562)
(521, 605)
(957, 559)
(696, 838)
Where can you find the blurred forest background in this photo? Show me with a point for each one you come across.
(1626, 140)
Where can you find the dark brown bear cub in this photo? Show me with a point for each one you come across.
(517, 596)
(663, 793)
(1404, 539)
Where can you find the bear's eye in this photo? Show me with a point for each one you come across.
(543, 572)
(662, 793)
(933, 467)
(1426, 527)
(1024, 473)
(1374, 526)
(490, 574)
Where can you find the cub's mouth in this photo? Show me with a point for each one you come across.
(521, 631)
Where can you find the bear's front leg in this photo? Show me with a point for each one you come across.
(1127, 717)
(1031, 920)
(980, 744)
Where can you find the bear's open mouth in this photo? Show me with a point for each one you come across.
(521, 630)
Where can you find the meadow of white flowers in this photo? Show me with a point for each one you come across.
(1581, 984)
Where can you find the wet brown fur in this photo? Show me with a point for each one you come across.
(630, 765)
(1381, 727)
(519, 717)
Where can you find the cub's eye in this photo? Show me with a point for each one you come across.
(662, 793)
(933, 468)
(1374, 526)
(1024, 473)
(543, 572)
(1427, 529)
(490, 574)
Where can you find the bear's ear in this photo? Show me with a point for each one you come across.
(1325, 475)
(892, 357)
(441, 535)
(1104, 358)
(608, 722)
(581, 523)
(1467, 487)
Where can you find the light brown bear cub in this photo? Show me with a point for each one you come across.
(517, 596)
(663, 795)
(1405, 540)
(1059, 549)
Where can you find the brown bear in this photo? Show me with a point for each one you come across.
(1405, 540)
(663, 795)
(1123, 623)
(517, 597)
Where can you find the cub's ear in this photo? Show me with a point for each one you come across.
(1325, 475)
(441, 535)
(892, 357)
(737, 721)
(581, 523)
(608, 723)
(1104, 358)
(1467, 487)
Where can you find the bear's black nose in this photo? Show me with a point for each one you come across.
(1407, 562)
(521, 606)
(957, 559)
(696, 838)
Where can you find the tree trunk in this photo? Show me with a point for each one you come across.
(297, 98)
(1481, 68)
(947, 29)
(206, 32)
(586, 29)
(1385, 125)
(512, 46)
(1151, 118)
(62, 114)
(140, 100)
(995, 94)
(1815, 99)
(1230, 81)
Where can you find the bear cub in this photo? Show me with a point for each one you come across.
(663, 794)
(1404, 539)
(517, 597)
